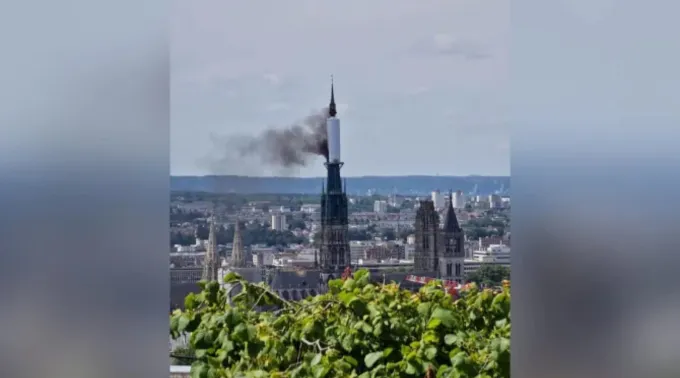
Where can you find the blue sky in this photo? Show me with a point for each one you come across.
(421, 86)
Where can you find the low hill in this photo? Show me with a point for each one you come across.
(355, 185)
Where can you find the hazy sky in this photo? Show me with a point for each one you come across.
(420, 86)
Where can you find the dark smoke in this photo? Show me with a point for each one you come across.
(288, 147)
(292, 146)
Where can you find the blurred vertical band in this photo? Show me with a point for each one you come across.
(84, 135)
(595, 178)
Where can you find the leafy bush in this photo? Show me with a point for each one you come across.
(357, 329)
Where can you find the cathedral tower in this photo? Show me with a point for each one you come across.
(238, 257)
(452, 246)
(210, 263)
(427, 238)
(334, 252)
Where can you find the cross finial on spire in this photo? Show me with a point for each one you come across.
(331, 107)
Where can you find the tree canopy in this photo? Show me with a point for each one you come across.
(356, 329)
(489, 275)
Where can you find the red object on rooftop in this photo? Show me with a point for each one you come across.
(450, 286)
(347, 273)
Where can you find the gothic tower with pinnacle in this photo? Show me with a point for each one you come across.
(238, 258)
(210, 263)
(334, 252)
(451, 246)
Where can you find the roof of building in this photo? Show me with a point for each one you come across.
(284, 279)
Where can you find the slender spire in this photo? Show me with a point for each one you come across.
(237, 255)
(451, 222)
(210, 264)
(331, 107)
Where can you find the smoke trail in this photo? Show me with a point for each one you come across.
(293, 146)
(289, 147)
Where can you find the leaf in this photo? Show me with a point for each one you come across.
(411, 368)
(200, 353)
(433, 323)
(348, 343)
(351, 360)
(431, 352)
(445, 316)
(315, 361)
(232, 277)
(320, 371)
(348, 285)
(458, 359)
(190, 301)
(199, 370)
(387, 352)
(182, 322)
(372, 358)
(424, 309)
(450, 339)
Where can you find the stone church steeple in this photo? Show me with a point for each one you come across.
(210, 263)
(427, 235)
(238, 258)
(452, 246)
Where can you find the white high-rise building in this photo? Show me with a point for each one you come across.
(279, 222)
(438, 199)
(380, 206)
(459, 199)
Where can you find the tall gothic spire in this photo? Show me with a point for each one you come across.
(210, 263)
(331, 107)
(238, 259)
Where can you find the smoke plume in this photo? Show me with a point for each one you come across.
(285, 148)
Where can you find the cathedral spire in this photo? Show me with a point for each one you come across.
(210, 263)
(237, 255)
(451, 222)
(331, 107)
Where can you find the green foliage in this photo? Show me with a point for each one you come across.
(182, 355)
(489, 275)
(357, 329)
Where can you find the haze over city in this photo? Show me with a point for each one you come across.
(419, 87)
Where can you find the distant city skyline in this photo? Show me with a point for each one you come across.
(419, 86)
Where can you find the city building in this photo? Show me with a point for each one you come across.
(310, 208)
(438, 200)
(279, 222)
(495, 201)
(459, 199)
(496, 254)
(380, 206)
